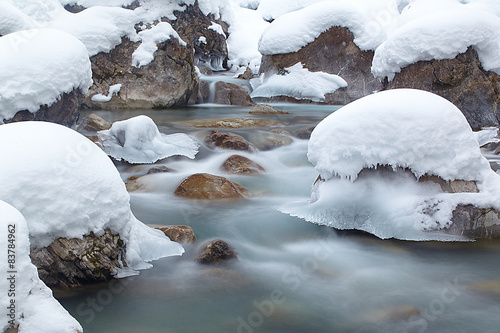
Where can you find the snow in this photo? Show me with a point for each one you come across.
(12, 19)
(161, 32)
(400, 129)
(292, 31)
(37, 66)
(440, 35)
(114, 89)
(66, 186)
(36, 310)
(299, 83)
(138, 140)
(217, 28)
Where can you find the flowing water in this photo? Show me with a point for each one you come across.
(291, 275)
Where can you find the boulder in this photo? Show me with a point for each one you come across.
(216, 252)
(179, 233)
(461, 80)
(64, 111)
(246, 75)
(237, 164)
(75, 262)
(168, 81)
(475, 222)
(93, 123)
(218, 139)
(232, 94)
(206, 186)
(334, 52)
(266, 109)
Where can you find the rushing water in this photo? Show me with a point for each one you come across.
(291, 276)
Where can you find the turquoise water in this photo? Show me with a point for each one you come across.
(291, 275)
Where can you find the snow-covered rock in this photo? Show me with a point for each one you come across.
(370, 155)
(138, 140)
(38, 66)
(27, 301)
(65, 186)
(299, 83)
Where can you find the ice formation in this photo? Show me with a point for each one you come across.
(138, 140)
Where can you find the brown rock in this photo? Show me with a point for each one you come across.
(247, 75)
(93, 123)
(227, 141)
(179, 233)
(206, 186)
(159, 169)
(237, 164)
(269, 140)
(453, 186)
(475, 222)
(231, 94)
(233, 123)
(216, 252)
(305, 133)
(266, 109)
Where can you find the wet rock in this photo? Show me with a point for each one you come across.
(64, 111)
(135, 184)
(392, 314)
(334, 52)
(461, 80)
(475, 222)
(218, 139)
(205, 70)
(93, 123)
(246, 75)
(453, 186)
(266, 109)
(159, 169)
(216, 252)
(305, 133)
(269, 140)
(203, 92)
(206, 186)
(489, 288)
(280, 131)
(233, 123)
(179, 233)
(237, 164)
(75, 262)
(232, 94)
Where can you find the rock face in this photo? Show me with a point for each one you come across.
(179, 233)
(64, 111)
(76, 262)
(218, 139)
(475, 222)
(461, 80)
(206, 186)
(332, 52)
(216, 252)
(237, 164)
(168, 81)
(231, 94)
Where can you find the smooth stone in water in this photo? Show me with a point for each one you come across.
(93, 123)
(237, 164)
(178, 233)
(266, 109)
(216, 252)
(206, 186)
(227, 141)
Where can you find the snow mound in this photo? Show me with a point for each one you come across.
(138, 140)
(66, 186)
(440, 35)
(35, 309)
(405, 128)
(292, 31)
(37, 66)
(299, 83)
(12, 19)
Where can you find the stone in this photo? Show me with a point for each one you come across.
(305, 133)
(246, 75)
(334, 52)
(453, 186)
(392, 314)
(218, 139)
(269, 140)
(205, 70)
(216, 252)
(203, 92)
(159, 169)
(64, 111)
(233, 123)
(74, 262)
(206, 186)
(168, 81)
(266, 109)
(179, 233)
(93, 123)
(135, 184)
(237, 164)
(461, 80)
(231, 94)
(475, 222)
(489, 288)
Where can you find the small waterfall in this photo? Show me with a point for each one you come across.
(211, 94)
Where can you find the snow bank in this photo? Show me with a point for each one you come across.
(440, 35)
(37, 66)
(138, 140)
(299, 83)
(161, 32)
(35, 309)
(12, 19)
(66, 186)
(402, 129)
(292, 31)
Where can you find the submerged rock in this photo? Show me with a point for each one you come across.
(159, 169)
(216, 252)
(227, 141)
(232, 94)
(75, 262)
(269, 140)
(233, 123)
(453, 186)
(237, 164)
(93, 123)
(206, 186)
(179, 233)
(266, 109)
